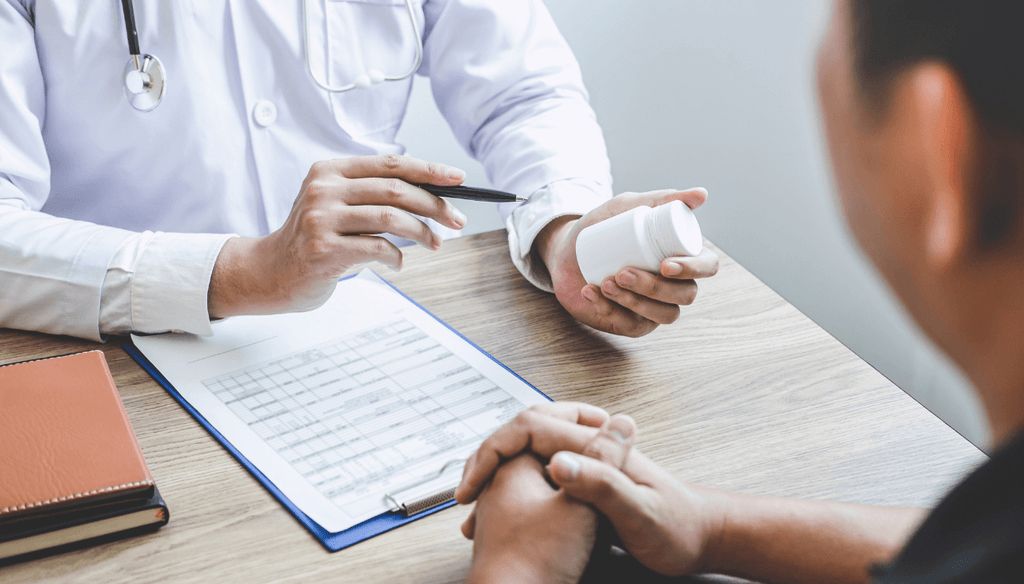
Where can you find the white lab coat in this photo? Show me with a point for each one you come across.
(85, 180)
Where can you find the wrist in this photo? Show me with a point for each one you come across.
(548, 243)
(506, 567)
(716, 508)
(236, 285)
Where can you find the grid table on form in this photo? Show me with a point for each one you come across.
(349, 415)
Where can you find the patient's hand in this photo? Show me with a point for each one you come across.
(524, 531)
(634, 302)
(665, 524)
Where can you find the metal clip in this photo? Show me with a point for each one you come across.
(421, 504)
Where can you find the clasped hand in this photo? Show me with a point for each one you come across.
(666, 525)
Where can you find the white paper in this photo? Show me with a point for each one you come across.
(340, 405)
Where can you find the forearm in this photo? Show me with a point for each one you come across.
(796, 541)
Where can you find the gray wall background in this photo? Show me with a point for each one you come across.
(721, 94)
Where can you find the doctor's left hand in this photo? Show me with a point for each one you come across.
(633, 302)
(342, 204)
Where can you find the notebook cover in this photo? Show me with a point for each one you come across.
(331, 541)
(65, 438)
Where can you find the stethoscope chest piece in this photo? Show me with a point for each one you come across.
(144, 82)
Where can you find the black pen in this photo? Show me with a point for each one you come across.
(472, 194)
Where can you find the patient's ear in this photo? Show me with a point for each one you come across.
(945, 128)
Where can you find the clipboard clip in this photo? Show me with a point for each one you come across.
(410, 507)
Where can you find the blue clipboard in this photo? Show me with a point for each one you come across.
(332, 541)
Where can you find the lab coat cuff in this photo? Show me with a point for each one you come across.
(82, 292)
(559, 199)
(172, 283)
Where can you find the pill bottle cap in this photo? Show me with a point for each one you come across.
(672, 230)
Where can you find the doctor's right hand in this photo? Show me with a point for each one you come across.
(341, 206)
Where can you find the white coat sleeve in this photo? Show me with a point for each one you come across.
(512, 92)
(53, 270)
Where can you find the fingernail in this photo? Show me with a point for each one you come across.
(626, 278)
(566, 466)
(673, 268)
(589, 294)
(609, 288)
(620, 429)
(459, 217)
(456, 173)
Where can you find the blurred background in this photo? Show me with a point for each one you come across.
(722, 95)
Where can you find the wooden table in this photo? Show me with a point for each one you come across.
(744, 393)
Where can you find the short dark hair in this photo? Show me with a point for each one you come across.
(982, 41)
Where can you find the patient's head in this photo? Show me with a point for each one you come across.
(923, 102)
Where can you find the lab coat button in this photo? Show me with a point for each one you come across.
(265, 113)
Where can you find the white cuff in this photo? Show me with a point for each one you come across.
(159, 282)
(559, 199)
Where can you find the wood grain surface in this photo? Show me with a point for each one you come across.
(742, 393)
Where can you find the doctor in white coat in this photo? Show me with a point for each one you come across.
(115, 220)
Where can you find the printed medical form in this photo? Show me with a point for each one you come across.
(343, 404)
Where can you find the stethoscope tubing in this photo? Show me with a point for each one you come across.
(340, 88)
(129, 26)
(155, 91)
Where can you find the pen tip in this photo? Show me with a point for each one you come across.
(521, 199)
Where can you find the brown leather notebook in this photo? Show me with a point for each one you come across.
(71, 469)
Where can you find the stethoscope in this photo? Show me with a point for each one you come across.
(145, 80)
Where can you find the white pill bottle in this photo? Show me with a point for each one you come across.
(641, 238)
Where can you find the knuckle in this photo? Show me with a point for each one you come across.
(436, 168)
(316, 191)
(393, 188)
(318, 248)
(319, 167)
(691, 294)
(654, 287)
(425, 231)
(527, 418)
(388, 218)
(629, 300)
(392, 161)
(637, 330)
(603, 489)
(312, 220)
(380, 246)
(671, 316)
(442, 207)
(602, 448)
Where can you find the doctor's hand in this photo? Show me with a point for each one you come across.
(633, 302)
(665, 524)
(342, 204)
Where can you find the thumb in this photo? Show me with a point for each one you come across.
(469, 525)
(613, 442)
(619, 204)
(607, 488)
